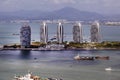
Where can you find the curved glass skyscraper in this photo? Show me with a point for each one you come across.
(44, 33)
(60, 33)
(25, 36)
(77, 33)
(95, 33)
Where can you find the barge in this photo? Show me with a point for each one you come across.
(78, 57)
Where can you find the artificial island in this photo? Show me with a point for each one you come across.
(58, 43)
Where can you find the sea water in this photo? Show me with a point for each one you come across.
(59, 64)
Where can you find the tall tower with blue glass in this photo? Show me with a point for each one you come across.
(25, 36)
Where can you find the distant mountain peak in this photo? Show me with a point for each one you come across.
(69, 8)
(68, 13)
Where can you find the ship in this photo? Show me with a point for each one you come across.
(30, 76)
(108, 69)
(78, 57)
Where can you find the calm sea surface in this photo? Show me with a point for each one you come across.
(58, 63)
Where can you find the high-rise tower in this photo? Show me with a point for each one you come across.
(25, 36)
(44, 33)
(77, 33)
(95, 33)
(60, 33)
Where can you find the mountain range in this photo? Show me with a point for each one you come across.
(64, 13)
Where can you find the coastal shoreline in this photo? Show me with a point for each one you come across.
(79, 49)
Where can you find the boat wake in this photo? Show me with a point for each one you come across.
(111, 69)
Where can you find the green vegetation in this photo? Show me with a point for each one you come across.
(12, 46)
(110, 44)
(105, 44)
(73, 45)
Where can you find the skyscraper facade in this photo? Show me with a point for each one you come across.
(44, 33)
(60, 33)
(25, 36)
(95, 33)
(77, 33)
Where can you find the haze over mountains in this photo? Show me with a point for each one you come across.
(64, 13)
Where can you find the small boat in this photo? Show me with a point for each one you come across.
(29, 76)
(78, 57)
(108, 69)
(102, 57)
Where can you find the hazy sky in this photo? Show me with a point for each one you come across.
(100, 6)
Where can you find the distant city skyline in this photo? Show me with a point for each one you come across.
(99, 6)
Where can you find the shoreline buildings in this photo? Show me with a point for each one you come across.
(77, 33)
(60, 33)
(95, 32)
(44, 33)
(25, 36)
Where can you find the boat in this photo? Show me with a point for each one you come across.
(102, 57)
(30, 76)
(108, 69)
(78, 57)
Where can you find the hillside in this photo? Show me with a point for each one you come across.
(64, 13)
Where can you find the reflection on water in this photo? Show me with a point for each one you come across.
(25, 54)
